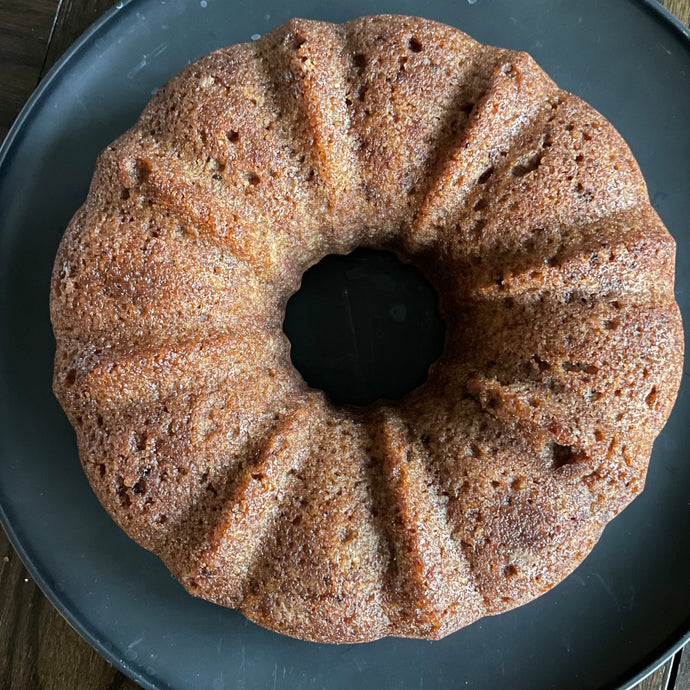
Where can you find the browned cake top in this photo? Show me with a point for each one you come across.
(482, 488)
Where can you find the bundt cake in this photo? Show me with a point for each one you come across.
(476, 492)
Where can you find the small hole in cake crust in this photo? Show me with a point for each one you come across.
(518, 484)
(541, 364)
(123, 494)
(652, 398)
(125, 194)
(526, 165)
(142, 170)
(359, 61)
(251, 178)
(294, 41)
(232, 136)
(509, 572)
(565, 455)
(579, 367)
(139, 442)
(480, 204)
(475, 451)
(414, 45)
(484, 177)
(139, 487)
(611, 324)
(493, 402)
(70, 377)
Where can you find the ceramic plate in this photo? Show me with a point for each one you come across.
(612, 620)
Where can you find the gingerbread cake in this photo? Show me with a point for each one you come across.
(476, 492)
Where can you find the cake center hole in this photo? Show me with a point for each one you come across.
(364, 326)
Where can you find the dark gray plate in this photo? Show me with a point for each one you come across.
(619, 614)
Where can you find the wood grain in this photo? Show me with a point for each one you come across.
(681, 8)
(25, 30)
(657, 680)
(73, 18)
(38, 648)
(681, 671)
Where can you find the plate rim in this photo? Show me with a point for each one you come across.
(677, 639)
(85, 631)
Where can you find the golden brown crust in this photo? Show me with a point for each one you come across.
(479, 490)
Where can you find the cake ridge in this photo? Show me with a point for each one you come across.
(586, 191)
(327, 530)
(477, 150)
(424, 550)
(600, 253)
(459, 118)
(249, 509)
(397, 137)
(321, 73)
(134, 373)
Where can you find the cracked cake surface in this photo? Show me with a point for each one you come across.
(476, 492)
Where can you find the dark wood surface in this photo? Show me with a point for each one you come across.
(38, 648)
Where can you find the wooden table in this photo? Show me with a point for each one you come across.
(38, 649)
